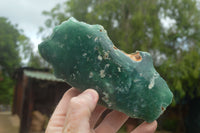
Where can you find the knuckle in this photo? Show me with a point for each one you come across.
(76, 102)
(79, 106)
(73, 101)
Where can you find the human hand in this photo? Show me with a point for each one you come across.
(78, 113)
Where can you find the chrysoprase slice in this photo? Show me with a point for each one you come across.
(85, 57)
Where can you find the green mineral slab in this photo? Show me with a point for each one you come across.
(85, 57)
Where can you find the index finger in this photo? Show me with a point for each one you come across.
(59, 114)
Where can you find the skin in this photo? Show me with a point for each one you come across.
(78, 113)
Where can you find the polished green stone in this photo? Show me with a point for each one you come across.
(85, 57)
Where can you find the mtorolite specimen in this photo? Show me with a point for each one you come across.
(85, 57)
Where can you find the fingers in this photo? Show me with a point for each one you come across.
(96, 115)
(79, 112)
(146, 128)
(112, 122)
(64, 102)
(57, 119)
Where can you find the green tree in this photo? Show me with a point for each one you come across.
(37, 62)
(12, 43)
(6, 89)
(8, 46)
(13, 46)
(169, 30)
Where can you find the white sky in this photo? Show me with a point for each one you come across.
(28, 15)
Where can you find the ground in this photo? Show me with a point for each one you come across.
(9, 123)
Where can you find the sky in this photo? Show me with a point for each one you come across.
(28, 15)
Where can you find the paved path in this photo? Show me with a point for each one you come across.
(8, 123)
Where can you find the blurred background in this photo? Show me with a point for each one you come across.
(169, 30)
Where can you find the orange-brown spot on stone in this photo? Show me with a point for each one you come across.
(138, 57)
(100, 30)
(162, 108)
(115, 47)
(135, 56)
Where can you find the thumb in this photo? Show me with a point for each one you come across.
(79, 112)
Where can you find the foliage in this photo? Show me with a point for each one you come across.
(37, 62)
(9, 56)
(14, 46)
(6, 89)
(12, 43)
(169, 30)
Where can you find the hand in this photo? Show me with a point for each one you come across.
(78, 113)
